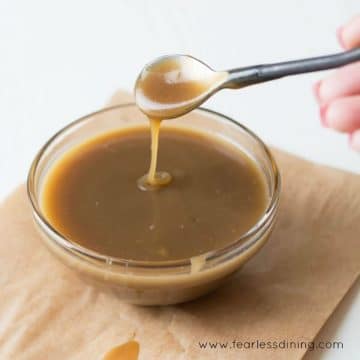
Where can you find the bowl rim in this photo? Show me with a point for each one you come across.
(240, 245)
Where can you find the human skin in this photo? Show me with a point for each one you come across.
(338, 95)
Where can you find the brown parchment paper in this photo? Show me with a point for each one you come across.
(285, 293)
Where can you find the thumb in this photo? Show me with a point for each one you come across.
(349, 34)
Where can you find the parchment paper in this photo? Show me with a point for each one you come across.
(285, 293)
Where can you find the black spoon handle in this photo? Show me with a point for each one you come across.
(260, 73)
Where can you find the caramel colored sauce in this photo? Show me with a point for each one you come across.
(154, 179)
(91, 196)
(169, 89)
(155, 129)
(127, 351)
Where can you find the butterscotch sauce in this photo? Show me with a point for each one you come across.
(127, 351)
(155, 129)
(91, 195)
(154, 179)
(167, 89)
(171, 87)
(197, 263)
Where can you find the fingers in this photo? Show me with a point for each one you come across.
(343, 82)
(354, 140)
(349, 35)
(339, 94)
(343, 115)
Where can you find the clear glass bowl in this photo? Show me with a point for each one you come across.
(155, 282)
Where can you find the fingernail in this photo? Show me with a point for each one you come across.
(354, 140)
(316, 90)
(340, 37)
(323, 110)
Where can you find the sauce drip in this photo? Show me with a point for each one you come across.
(166, 89)
(154, 179)
(127, 351)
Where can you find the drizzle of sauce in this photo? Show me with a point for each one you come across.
(197, 262)
(154, 179)
(166, 89)
(127, 351)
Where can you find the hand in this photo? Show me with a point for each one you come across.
(338, 95)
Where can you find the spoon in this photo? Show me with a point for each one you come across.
(173, 85)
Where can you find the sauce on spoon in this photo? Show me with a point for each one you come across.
(166, 88)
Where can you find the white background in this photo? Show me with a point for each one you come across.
(62, 59)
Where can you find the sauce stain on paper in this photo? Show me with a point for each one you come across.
(127, 351)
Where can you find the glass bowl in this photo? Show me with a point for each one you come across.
(155, 282)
